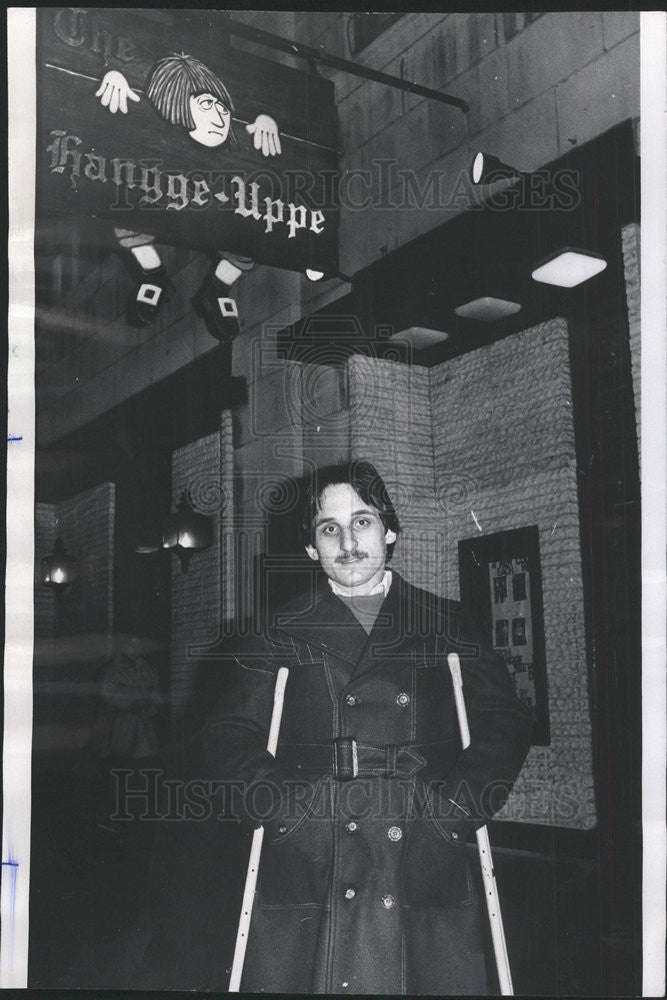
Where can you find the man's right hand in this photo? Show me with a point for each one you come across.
(114, 92)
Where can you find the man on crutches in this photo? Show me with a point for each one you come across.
(364, 777)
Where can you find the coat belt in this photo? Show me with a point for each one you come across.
(348, 758)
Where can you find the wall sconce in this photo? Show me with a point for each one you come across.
(187, 532)
(59, 569)
(487, 169)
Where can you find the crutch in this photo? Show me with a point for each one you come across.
(484, 848)
(256, 846)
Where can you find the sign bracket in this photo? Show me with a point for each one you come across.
(318, 56)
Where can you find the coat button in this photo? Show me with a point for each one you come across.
(388, 902)
(350, 893)
(350, 699)
(394, 833)
(282, 829)
(455, 835)
(403, 699)
(351, 827)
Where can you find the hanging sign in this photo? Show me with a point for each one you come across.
(170, 131)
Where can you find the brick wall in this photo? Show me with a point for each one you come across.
(86, 525)
(477, 445)
(631, 237)
(202, 598)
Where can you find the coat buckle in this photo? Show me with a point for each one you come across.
(345, 758)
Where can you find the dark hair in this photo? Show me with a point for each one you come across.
(364, 480)
(175, 79)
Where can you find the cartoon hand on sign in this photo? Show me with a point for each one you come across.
(266, 135)
(186, 92)
(114, 92)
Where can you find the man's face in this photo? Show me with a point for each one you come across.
(350, 540)
(212, 119)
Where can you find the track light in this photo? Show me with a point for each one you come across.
(486, 169)
(313, 274)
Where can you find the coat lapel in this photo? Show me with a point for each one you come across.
(326, 622)
(397, 633)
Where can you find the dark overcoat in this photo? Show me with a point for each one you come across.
(364, 884)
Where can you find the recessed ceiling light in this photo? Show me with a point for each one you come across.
(568, 268)
(487, 309)
(420, 336)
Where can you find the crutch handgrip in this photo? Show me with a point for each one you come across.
(256, 846)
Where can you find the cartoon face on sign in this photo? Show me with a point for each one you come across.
(211, 118)
(187, 93)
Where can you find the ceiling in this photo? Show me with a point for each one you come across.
(580, 200)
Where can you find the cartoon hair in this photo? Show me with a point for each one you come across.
(175, 79)
(364, 480)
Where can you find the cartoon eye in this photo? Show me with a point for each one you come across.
(222, 108)
(206, 104)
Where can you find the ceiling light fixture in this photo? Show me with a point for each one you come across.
(568, 267)
(420, 337)
(487, 309)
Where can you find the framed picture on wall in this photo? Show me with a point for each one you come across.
(501, 578)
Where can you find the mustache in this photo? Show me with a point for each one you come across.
(346, 556)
